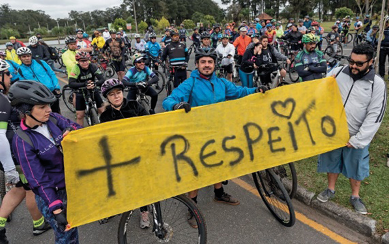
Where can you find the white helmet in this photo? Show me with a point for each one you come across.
(3, 65)
(23, 51)
(257, 19)
(33, 40)
(137, 36)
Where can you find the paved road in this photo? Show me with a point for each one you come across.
(249, 222)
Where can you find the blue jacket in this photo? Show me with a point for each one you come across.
(36, 72)
(13, 68)
(153, 49)
(205, 92)
(258, 27)
(43, 165)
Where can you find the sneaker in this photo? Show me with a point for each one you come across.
(41, 229)
(226, 198)
(151, 111)
(144, 220)
(325, 196)
(191, 220)
(3, 237)
(358, 204)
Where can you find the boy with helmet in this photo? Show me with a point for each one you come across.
(166, 39)
(205, 39)
(139, 43)
(16, 42)
(137, 78)
(69, 57)
(310, 63)
(334, 37)
(38, 52)
(196, 37)
(216, 36)
(182, 33)
(84, 75)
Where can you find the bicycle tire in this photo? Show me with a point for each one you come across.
(190, 50)
(169, 87)
(161, 81)
(60, 62)
(349, 38)
(110, 72)
(174, 213)
(292, 73)
(288, 176)
(145, 105)
(66, 93)
(275, 196)
(94, 116)
(340, 49)
(329, 51)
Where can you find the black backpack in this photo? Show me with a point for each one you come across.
(53, 53)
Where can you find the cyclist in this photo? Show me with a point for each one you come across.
(203, 88)
(106, 34)
(226, 51)
(358, 26)
(251, 29)
(196, 37)
(116, 53)
(241, 43)
(86, 38)
(318, 31)
(339, 26)
(40, 71)
(205, 39)
(13, 68)
(82, 45)
(123, 33)
(166, 39)
(310, 63)
(216, 36)
(346, 24)
(9, 121)
(83, 75)
(273, 23)
(384, 51)
(153, 50)
(367, 23)
(98, 40)
(10, 53)
(42, 163)
(279, 30)
(248, 66)
(294, 37)
(373, 35)
(333, 37)
(16, 43)
(182, 33)
(37, 51)
(69, 56)
(271, 34)
(290, 21)
(301, 27)
(288, 28)
(149, 30)
(136, 78)
(258, 25)
(139, 44)
(307, 22)
(178, 56)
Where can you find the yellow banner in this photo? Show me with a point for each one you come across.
(122, 165)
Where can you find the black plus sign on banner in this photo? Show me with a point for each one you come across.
(108, 167)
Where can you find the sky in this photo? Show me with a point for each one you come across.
(60, 9)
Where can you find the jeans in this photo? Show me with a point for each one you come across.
(246, 78)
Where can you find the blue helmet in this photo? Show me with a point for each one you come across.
(268, 25)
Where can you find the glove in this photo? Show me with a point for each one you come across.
(61, 220)
(185, 105)
(142, 85)
(261, 89)
(12, 176)
(57, 93)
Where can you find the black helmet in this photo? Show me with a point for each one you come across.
(70, 39)
(30, 92)
(152, 35)
(174, 33)
(204, 35)
(205, 52)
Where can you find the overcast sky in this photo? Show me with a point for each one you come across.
(61, 8)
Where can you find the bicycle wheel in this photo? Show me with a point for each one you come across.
(174, 213)
(94, 116)
(110, 72)
(275, 196)
(349, 38)
(169, 87)
(329, 51)
(288, 176)
(190, 50)
(292, 73)
(145, 105)
(339, 49)
(60, 62)
(159, 87)
(67, 97)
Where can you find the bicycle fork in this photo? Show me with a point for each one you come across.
(158, 223)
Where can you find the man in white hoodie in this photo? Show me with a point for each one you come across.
(226, 51)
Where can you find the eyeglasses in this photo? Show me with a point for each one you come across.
(358, 64)
(141, 61)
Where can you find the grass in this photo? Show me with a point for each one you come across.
(374, 189)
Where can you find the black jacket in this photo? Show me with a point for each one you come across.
(39, 52)
(129, 109)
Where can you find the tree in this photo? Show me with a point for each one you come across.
(342, 12)
(43, 31)
(209, 19)
(142, 26)
(163, 23)
(196, 17)
(154, 22)
(7, 32)
(58, 31)
(69, 30)
(188, 24)
(119, 23)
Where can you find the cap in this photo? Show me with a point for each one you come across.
(12, 38)
(243, 29)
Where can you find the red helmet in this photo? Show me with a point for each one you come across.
(268, 21)
(82, 56)
(314, 23)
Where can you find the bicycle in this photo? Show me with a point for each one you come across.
(193, 46)
(342, 37)
(271, 69)
(170, 86)
(292, 73)
(159, 86)
(141, 98)
(220, 71)
(169, 223)
(335, 62)
(329, 50)
(358, 40)
(67, 96)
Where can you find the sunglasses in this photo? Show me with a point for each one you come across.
(358, 64)
(141, 61)
(6, 73)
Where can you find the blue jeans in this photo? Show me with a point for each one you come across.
(246, 78)
(62, 237)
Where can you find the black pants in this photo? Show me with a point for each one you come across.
(132, 95)
(382, 61)
(55, 107)
(180, 76)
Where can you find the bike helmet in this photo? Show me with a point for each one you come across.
(309, 38)
(273, 20)
(357, 17)
(110, 84)
(174, 33)
(277, 24)
(3, 64)
(300, 21)
(23, 51)
(82, 56)
(225, 36)
(70, 39)
(30, 92)
(257, 35)
(196, 28)
(85, 35)
(33, 40)
(289, 25)
(314, 23)
(375, 27)
(205, 52)
(79, 30)
(291, 19)
(268, 25)
(367, 16)
(112, 32)
(347, 17)
(137, 57)
(137, 36)
(8, 44)
(216, 26)
(152, 35)
(2, 54)
(312, 28)
(338, 22)
(257, 19)
(12, 38)
(307, 17)
(204, 35)
(267, 21)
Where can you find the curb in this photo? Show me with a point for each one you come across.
(385, 238)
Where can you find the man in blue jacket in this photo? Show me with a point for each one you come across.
(40, 71)
(153, 49)
(203, 88)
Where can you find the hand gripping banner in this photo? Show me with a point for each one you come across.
(114, 167)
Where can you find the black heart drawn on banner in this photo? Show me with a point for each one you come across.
(283, 109)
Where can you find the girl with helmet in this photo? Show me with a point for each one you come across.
(205, 39)
(37, 148)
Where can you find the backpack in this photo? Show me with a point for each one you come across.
(53, 53)
(23, 135)
(39, 62)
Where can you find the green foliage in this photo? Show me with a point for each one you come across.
(245, 13)
(208, 20)
(119, 23)
(69, 30)
(188, 24)
(142, 26)
(43, 31)
(270, 12)
(154, 22)
(58, 31)
(7, 32)
(344, 11)
(163, 23)
(197, 17)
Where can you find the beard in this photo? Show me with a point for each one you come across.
(360, 73)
